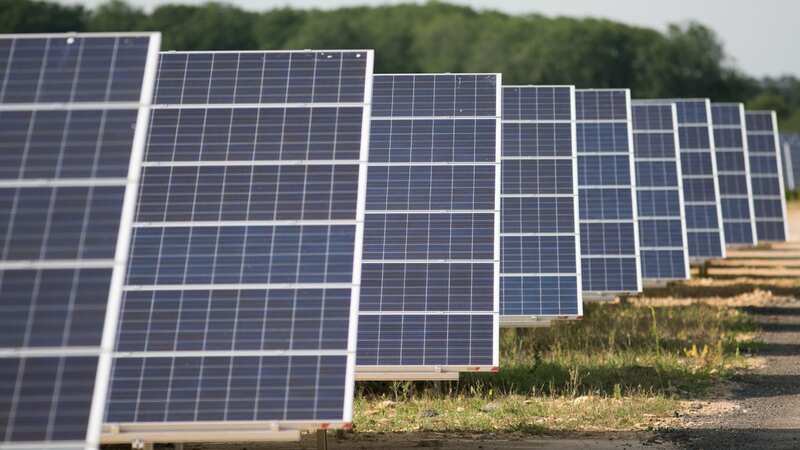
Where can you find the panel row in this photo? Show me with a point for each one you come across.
(59, 222)
(241, 254)
(400, 236)
(212, 193)
(234, 319)
(63, 144)
(53, 308)
(72, 69)
(426, 287)
(201, 78)
(238, 388)
(440, 95)
(464, 187)
(255, 134)
(426, 340)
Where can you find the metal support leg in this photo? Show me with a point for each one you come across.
(322, 440)
(704, 269)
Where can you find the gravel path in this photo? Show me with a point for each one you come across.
(766, 413)
(767, 400)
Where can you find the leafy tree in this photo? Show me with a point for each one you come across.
(30, 16)
(684, 61)
(272, 29)
(212, 26)
(116, 15)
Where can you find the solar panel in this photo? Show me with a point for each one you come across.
(659, 192)
(733, 173)
(73, 116)
(540, 257)
(703, 211)
(242, 287)
(430, 273)
(609, 245)
(766, 175)
(791, 160)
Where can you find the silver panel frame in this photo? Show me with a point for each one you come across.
(260, 430)
(661, 281)
(119, 262)
(532, 320)
(749, 187)
(450, 372)
(610, 295)
(694, 260)
(779, 162)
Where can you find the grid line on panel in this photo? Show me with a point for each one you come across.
(213, 268)
(411, 267)
(662, 226)
(608, 213)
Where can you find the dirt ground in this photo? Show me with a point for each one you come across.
(757, 409)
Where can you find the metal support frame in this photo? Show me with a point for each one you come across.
(535, 321)
(141, 435)
(407, 376)
(322, 439)
(703, 269)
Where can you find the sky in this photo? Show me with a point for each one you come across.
(761, 36)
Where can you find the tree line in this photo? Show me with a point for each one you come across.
(686, 60)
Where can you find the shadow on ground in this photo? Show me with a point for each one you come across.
(738, 439)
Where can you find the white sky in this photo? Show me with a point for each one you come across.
(762, 36)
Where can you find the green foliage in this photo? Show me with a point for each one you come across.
(31, 16)
(616, 349)
(769, 101)
(213, 26)
(615, 368)
(116, 15)
(683, 61)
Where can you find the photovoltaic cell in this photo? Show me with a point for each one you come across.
(73, 119)
(769, 200)
(243, 277)
(608, 220)
(733, 173)
(540, 268)
(701, 197)
(429, 281)
(659, 192)
(790, 145)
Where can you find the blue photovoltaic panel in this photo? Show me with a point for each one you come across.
(540, 260)
(607, 200)
(790, 146)
(769, 200)
(73, 121)
(242, 281)
(703, 211)
(429, 281)
(733, 173)
(662, 227)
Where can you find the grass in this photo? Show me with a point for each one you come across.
(621, 367)
(510, 414)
